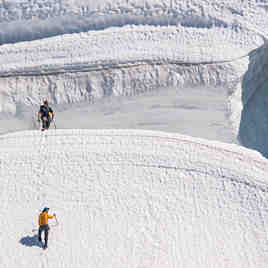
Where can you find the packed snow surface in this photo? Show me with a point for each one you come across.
(132, 199)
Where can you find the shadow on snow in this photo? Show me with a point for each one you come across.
(31, 241)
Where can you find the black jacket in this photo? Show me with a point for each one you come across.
(44, 111)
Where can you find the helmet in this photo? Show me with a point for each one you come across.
(45, 209)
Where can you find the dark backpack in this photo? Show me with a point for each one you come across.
(45, 111)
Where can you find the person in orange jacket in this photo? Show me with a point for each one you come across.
(43, 225)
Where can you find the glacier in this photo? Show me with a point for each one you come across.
(130, 197)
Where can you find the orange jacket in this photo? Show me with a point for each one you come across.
(43, 218)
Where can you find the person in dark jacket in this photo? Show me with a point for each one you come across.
(46, 115)
(43, 225)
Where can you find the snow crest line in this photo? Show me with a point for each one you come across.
(90, 67)
(176, 140)
(242, 180)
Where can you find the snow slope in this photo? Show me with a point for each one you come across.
(132, 199)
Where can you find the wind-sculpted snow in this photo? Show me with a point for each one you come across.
(55, 17)
(209, 45)
(127, 81)
(132, 199)
(126, 46)
(121, 62)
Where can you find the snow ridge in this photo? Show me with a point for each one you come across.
(137, 198)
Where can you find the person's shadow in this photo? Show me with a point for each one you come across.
(31, 241)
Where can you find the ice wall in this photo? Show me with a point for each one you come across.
(127, 81)
(253, 128)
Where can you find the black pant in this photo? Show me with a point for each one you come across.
(46, 122)
(43, 228)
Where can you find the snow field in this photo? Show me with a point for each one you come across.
(132, 199)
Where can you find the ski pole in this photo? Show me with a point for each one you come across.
(57, 223)
(54, 124)
(56, 220)
(40, 124)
